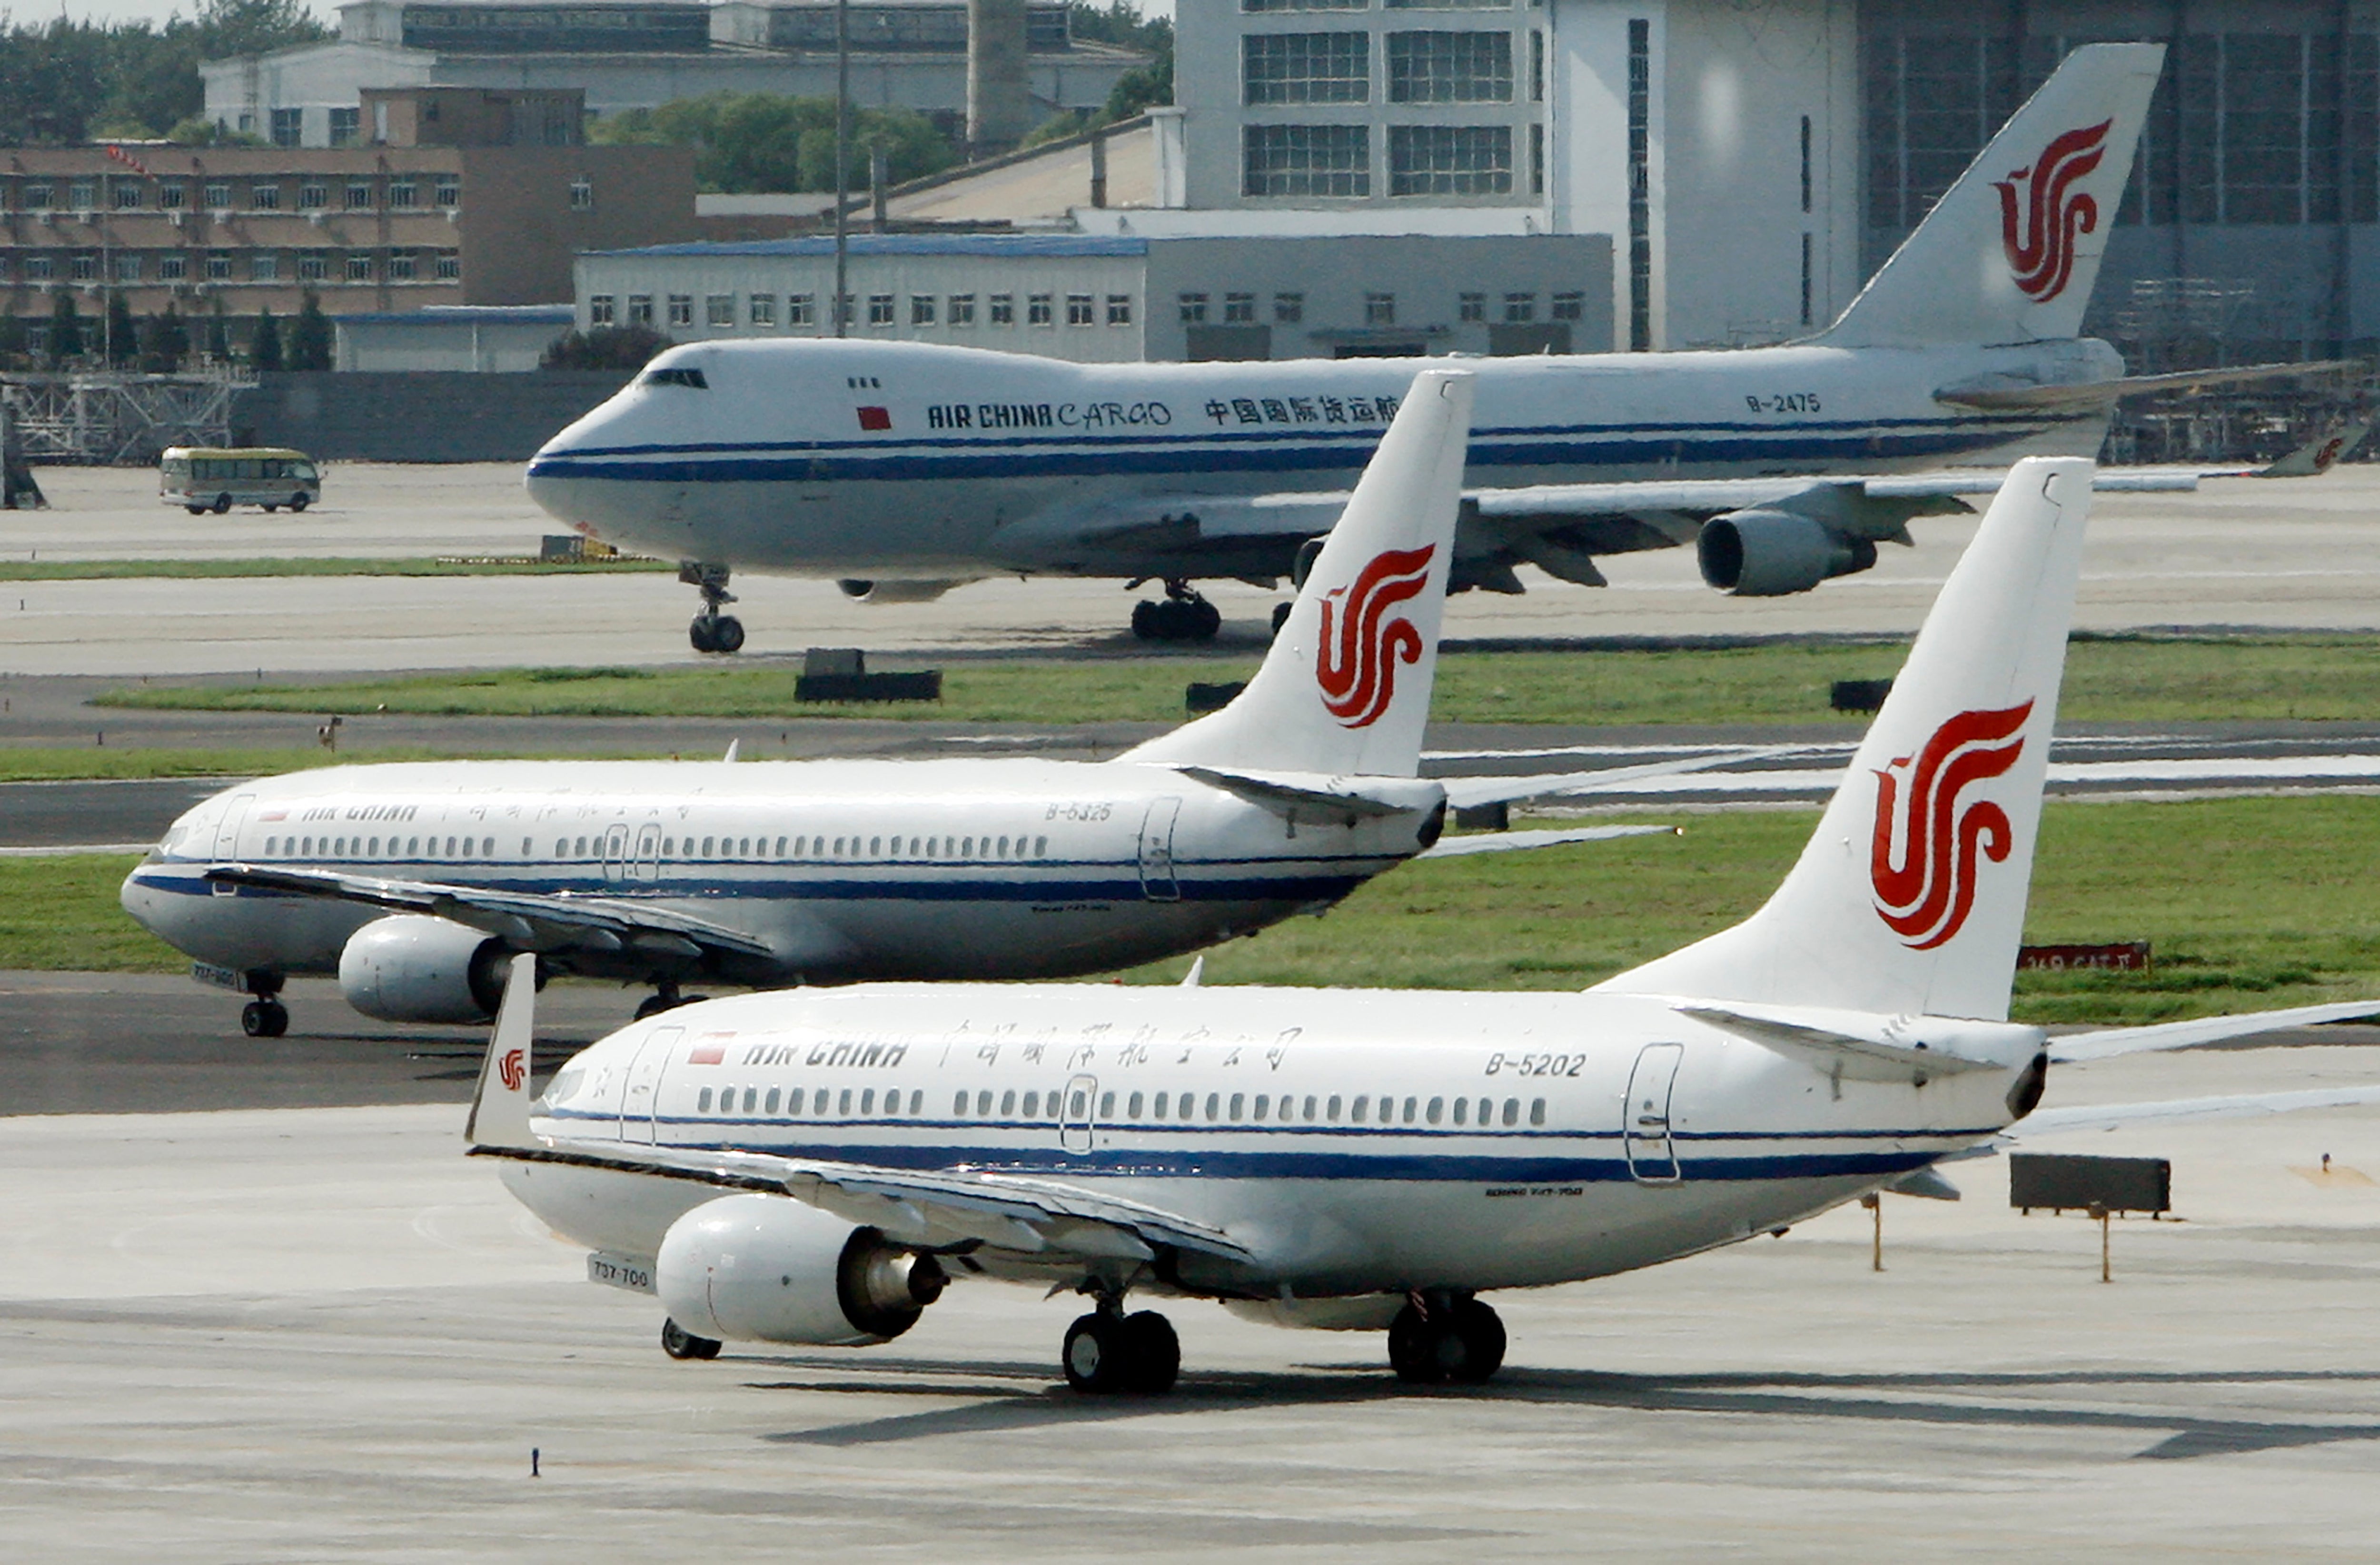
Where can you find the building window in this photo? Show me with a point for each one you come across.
(216, 194)
(313, 198)
(1288, 309)
(641, 309)
(448, 192)
(681, 310)
(582, 194)
(1040, 310)
(264, 266)
(1305, 67)
(764, 310)
(1239, 310)
(264, 197)
(1450, 160)
(173, 268)
(1194, 310)
(1537, 160)
(1570, 306)
(86, 268)
(313, 266)
(37, 197)
(450, 269)
(403, 194)
(1640, 185)
(127, 267)
(1306, 160)
(346, 127)
(599, 309)
(358, 196)
(1470, 307)
(801, 310)
(1119, 309)
(359, 268)
(1004, 310)
(921, 309)
(83, 195)
(719, 310)
(880, 309)
(1537, 68)
(1379, 310)
(962, 310)
(218, 266)
(1253, 6)
(173, 198)
(1078, 309)
(1519, 308)
(127, 196)
(39, 269)
(288, 126)
(1449, 67)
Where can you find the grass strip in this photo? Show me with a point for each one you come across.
(2147, 679)
(2270, 906)
(120, 570)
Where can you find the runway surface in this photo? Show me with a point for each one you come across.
(2302, 553)
(294, 1335)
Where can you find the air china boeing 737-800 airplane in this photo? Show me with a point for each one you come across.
(815, 1167)
(414, 883)
(905, 468)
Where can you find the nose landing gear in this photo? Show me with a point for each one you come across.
(1182, 615)
(711, 630)
(265, 1017)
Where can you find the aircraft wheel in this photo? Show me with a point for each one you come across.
(683, 1345)
(1201, 620)
(1409, 1348)
(1097, 1358)
(264, 1018)
(298, 502)
(1144, 621)
(1464, 1344)
(196, 510)
(1152, 1354)
(222, 505)
(270, 509)
(653, 1005)
(1280, 616)
(1480, 1332)
(703, 634)
(727, 636)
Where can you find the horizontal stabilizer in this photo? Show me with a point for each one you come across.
(1875, 1048)
(1513, 842)
(2075, 1049)
(1927, 1183)
(1336, 795)
(1992, 396)
(2115, 1116)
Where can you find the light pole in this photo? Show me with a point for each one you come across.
(842, 163)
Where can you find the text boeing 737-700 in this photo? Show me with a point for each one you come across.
(815, 1167)
(903, 468)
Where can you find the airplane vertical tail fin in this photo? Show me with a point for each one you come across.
(1345, 689)
(1910, 897)
(2011, 253)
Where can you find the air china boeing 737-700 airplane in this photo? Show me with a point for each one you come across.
(414, 882)
(815, 1167)
(905, 468)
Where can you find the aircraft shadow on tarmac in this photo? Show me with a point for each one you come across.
(1018, 1397)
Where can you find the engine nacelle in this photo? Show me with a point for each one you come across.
(411, 968)
(863, 591)
(765, 1269)
(1770, 553)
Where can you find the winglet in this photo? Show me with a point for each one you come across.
(735, 748)
(500, 1107)
(1197, 974)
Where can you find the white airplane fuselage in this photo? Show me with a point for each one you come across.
(845, 869)
(905, 460)
(1357, 1142)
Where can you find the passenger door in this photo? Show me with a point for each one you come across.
(615, 853)
(1645, 1126)
(1076, 1115)
(1157, 882)
(226, 845)
(648, 852)
(641, 1093)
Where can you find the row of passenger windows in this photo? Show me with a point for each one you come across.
(752, 848)
(1217, 1108)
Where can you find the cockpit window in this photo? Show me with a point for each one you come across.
(676, 378)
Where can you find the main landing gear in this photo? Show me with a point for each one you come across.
(1109, 1351)
(1183, 615)
(711, 631)
(1440, 1337)
(265, 1017)
(665, 997)
(683, 1345)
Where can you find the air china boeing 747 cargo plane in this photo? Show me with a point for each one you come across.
(815, 1166)
(905, 468)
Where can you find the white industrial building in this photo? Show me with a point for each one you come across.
(1121, 297)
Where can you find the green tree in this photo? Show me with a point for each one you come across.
(122, 337)
(13, 341)
(747, 142)
(62, 80)
(219, 334)
(264, 343)
(66, 330)
(310, 336)
(165, 341)
(605, 348)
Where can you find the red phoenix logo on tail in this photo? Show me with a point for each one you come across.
(1355, 666)
(2038, 228)
(1924, 888)
(512, 1070)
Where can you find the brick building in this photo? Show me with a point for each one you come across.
(458, 199)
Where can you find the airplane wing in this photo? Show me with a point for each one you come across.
(546, 923)
(1508, 842)
(1470, 792)
(2106, 1043)
(1995, 395)
(2115, 1116)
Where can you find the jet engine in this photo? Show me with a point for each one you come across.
(770, 1269)
(1769, 553)
(411, 968)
